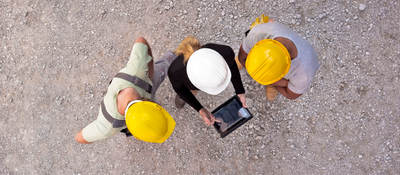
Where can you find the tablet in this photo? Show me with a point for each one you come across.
(232, 115)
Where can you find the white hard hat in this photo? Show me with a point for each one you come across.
(208, 71)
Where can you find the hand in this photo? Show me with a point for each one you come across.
(208, 118)
(79, 138)
(271, 20)
(242, 98)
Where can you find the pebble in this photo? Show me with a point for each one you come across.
(362, 7)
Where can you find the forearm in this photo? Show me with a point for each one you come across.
(189, 98)
(281, 83)
(283, 91)
(236, 79)
(97, 130)
(242, 55)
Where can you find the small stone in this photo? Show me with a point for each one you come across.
(362, 7)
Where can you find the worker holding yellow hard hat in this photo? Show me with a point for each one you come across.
(278, 57)
(126, 107)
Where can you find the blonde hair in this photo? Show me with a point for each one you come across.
(187, 47)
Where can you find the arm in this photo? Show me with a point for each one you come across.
(177, 76)
(282, 87)
(236, 79)
(229, 56)
(189, 98)
(142, 40)
(242, 55)
(281, 83)
(285, 91)
(151, 63)
(99, 129)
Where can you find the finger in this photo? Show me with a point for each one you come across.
(244, 103)
(209, 123)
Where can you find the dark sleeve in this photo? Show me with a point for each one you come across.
(177, 76)
(229, 56)
(188, 97)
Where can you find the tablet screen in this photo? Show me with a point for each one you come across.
(229, 114)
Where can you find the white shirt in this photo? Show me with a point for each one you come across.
(302, 68)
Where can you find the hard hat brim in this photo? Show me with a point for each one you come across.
(216, 91)
(171, 126)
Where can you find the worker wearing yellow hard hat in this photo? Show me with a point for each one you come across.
(126, 106)
(278, 57)
(148, 121)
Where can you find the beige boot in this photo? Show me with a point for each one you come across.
(271, 92)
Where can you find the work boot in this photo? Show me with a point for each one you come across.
(238, 63)
(179, 103)
(271, 92)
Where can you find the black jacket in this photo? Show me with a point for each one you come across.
(182, 85)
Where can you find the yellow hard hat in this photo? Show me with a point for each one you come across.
(259, 20)
(268, 61)
(148, 121)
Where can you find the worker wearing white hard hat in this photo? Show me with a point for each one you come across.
(209, 68)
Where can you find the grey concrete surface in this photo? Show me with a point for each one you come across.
(57, 57)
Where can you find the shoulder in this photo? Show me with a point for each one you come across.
(269, 26)
(176, 65)
(224, 50)
(217, 47)
(177, 71)
(299, 78)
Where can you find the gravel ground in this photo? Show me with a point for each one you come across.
(57, 57)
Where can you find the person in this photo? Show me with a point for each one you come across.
(127, 107)
(278, 57)
(208, 68)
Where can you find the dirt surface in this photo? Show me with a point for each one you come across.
(57, 57)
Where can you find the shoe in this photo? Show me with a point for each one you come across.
(179, 103)
(271, 93)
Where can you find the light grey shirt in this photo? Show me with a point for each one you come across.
(302, 68)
